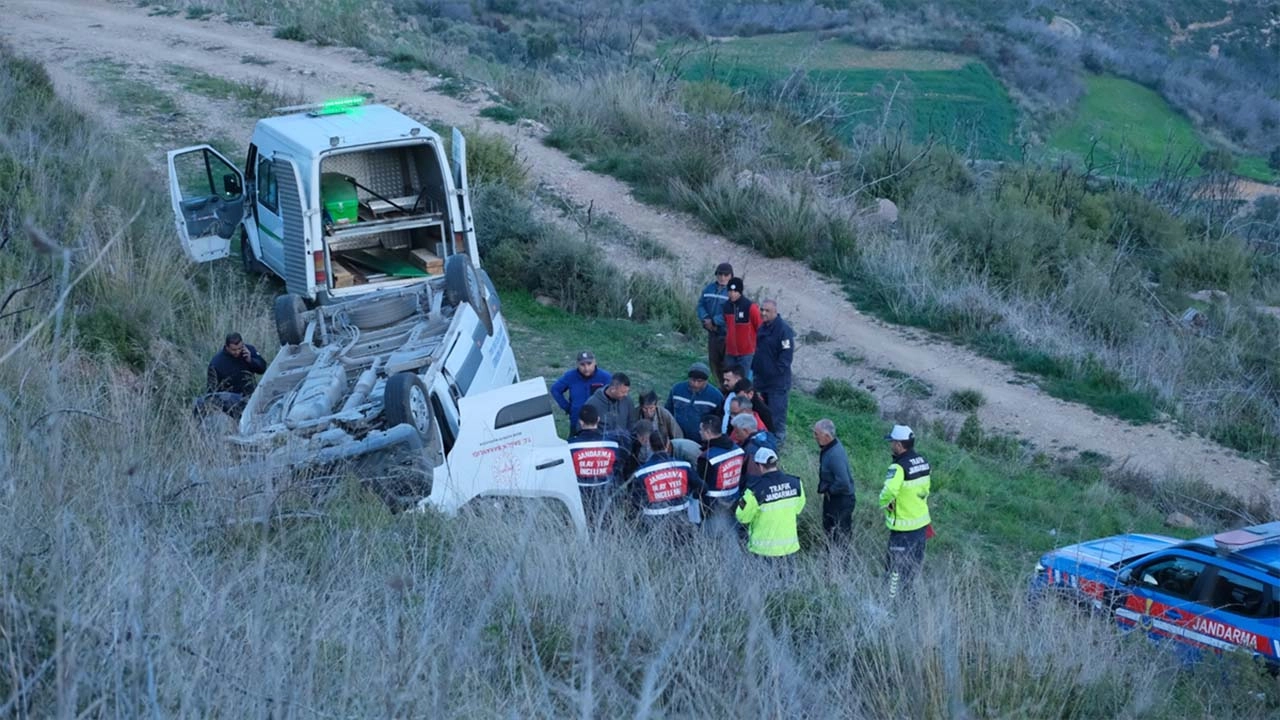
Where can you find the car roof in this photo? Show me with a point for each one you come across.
(356, 126)
(1265, 553)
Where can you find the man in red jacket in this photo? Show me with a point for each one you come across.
(742, 322)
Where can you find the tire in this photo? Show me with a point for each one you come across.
(380, 312)
(290, 327)
(462, 284)
(404, 400)
(252, 265)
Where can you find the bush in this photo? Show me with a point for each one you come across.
(970, 435)
(291, 32)
(493, 159)
(841, 393)
(965, 401)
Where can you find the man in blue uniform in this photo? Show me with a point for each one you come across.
(690, 400)
(711, 315)
(576, 386)
(596, 463)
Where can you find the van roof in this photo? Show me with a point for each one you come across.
(361, 125)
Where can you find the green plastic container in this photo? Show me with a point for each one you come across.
(338, 195)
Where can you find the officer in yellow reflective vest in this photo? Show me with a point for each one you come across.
(905, 500)
(769, 508)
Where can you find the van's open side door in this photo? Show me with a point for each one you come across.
(207, 194)
(464, 224)
(300, 269)
(507, 446)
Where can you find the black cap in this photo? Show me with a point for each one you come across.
(724, 269)
(735, 284)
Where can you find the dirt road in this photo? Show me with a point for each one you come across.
(67, 35)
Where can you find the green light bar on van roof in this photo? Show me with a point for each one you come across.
(328, 107)
(338, 105)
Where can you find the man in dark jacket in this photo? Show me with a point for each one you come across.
(835, 483)
(613, 402)
(580, 383)
(229, 379)
(662, 486)
(711, 315)
(775, 348)
(720, 470)
(597, 463)
(690, 400)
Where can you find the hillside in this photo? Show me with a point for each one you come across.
(136, 579)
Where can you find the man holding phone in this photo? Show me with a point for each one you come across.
(231, 371)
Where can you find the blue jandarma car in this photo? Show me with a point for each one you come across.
(1219, 592)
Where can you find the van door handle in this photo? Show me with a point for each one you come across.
(549, 464)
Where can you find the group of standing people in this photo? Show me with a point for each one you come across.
(708, 456)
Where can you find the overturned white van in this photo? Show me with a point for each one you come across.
(394, 353)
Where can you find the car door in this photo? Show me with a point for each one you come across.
(1241, 610)
(1164, 595)
(507, 446)
(464, 227)
(206, 191)
(269, 223)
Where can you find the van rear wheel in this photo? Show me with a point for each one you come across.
(290, 327)
(405, 401)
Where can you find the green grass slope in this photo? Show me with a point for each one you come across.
(1130, 130)
(949, 96)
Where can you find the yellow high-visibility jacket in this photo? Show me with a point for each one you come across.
(769, 508)
(905, 497)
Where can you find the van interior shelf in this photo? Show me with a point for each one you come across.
(339, 233)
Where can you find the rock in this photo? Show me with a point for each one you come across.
(751, 179)
(886, 211)
(545, 300)
(533, 127)
(1207, 295)
(1178, 520)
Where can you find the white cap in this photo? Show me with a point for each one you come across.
(900, 432)
(764, 456)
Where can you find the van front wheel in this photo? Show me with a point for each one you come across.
(405, 401)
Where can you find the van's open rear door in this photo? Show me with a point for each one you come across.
(507, 446)
(464, 224)
(303, 264)
(207, 194)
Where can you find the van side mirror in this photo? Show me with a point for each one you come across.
(231, 184)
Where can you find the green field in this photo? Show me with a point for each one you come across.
(1134, 130)
(949, 96)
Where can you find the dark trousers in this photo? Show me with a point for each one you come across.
(837, 517)
(905, 556)
(715, 356)
(777, 402)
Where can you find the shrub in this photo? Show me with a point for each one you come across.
(493, 159)
(291, 32)
(965, 401)
(500, 113)
(970, 435)
(841, 393)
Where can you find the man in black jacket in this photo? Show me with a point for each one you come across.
(775, 348)
(835, 483)
(229, 379)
